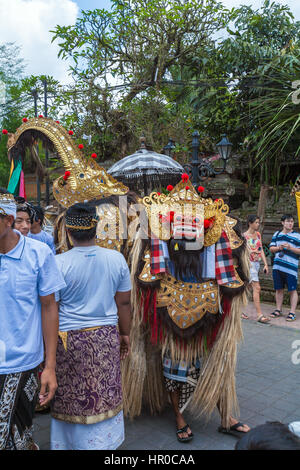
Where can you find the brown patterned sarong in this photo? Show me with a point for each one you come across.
(88, 376)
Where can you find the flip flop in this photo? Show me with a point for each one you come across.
(184, 439)
(260, 319)
(233, 431)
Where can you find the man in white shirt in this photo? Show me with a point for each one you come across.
(87, 410)
(28, 316)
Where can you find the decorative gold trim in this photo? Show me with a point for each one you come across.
(64, 334)
(234, 240)
(88, 419)
(186, 302)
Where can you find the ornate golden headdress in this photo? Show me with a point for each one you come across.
(85, 184)
(184, 199)
(86, 179)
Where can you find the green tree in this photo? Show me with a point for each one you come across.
(135, 44)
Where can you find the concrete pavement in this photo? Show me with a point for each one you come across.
(268, 388)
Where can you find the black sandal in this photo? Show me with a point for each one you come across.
(276, 315)
(184, 439)
(233, 431)
(291, 317)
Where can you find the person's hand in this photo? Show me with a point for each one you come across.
(286, 245)
(266, 269)
(48, 386)
(124, 346)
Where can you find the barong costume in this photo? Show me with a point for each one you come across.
(26, 272)
(212, 327)
(190, 285)
(87, 410)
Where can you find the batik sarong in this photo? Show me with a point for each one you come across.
(18, 396)
(182, 377)
(88, 376)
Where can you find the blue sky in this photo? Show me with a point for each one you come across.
(92, 4)
(27, 23)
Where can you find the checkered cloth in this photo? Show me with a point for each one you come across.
(224, 261)
(179, 371)
(158, 261)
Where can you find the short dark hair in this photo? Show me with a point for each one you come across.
(39, 214)
(251, 218)
(85, 210)
(26, 208)
(4, 191)
(286, 217)
(269, 436)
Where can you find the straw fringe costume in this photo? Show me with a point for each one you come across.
(185, 329)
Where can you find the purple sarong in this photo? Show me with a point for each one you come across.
(88, 376)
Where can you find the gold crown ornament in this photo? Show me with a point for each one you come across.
(185, 203)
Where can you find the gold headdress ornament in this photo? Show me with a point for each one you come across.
(87, 180)
(85, 184)
(185, 199)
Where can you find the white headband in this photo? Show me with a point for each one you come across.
(7, 206)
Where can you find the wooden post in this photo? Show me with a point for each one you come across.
(261, 210)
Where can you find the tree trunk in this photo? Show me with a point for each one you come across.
(263, 196)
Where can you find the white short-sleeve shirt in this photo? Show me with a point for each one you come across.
(92, 275)
(27, 272)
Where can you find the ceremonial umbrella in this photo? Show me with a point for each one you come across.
(146, 169)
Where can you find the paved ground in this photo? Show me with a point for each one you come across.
(268, 383)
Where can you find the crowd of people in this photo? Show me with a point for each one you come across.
(55, 313)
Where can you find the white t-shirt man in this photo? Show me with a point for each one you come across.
(93, 275)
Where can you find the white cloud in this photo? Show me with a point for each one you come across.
(27, 23)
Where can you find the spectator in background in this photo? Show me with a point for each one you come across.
(285, 245)
(36, 231)
(24, 218)
(257, 255)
